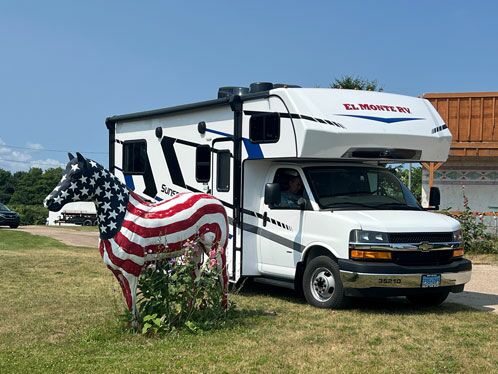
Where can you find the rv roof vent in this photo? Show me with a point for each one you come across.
(285, 85)
(260, 86)
(232, 90)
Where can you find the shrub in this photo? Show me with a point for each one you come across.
(171, 297)
(31, 214)
(475, 237)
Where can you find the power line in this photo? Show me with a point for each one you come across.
(30, 161)
(48, 150)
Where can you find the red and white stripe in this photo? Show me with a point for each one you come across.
(162, 229)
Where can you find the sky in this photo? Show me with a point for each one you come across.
(67, 65)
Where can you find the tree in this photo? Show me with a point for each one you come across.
(6, 186)
(33, 186)
(416, 186)
(356, 83)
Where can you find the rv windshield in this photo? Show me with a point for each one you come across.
(359, 187)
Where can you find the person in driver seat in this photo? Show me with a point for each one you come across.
(293, 193)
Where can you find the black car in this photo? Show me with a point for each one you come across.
(8, 217)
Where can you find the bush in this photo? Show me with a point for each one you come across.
(475, 237)
(31, 214)
(170, 297)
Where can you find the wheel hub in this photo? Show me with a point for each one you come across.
(322, 284)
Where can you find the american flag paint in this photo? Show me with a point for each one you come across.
(134, 231)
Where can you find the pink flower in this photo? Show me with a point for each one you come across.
(212, 253)
(213, 262)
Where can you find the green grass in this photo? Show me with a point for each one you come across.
(60, 313)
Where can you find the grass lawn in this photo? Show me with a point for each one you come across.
(60, 313)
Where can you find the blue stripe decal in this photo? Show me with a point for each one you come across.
(253, 150)
(158, 198)
(382, 119)
(129, 182)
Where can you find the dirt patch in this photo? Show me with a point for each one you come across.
(65, 235)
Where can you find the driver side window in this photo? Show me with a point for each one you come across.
(291, 189)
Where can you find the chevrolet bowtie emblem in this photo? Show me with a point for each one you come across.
(425, 247)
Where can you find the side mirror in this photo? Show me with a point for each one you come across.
(272, 194)
(434, 197)
(302, 203)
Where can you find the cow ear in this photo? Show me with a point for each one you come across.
(80, 157)
(70, 156)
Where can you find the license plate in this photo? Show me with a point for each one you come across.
(431, 280)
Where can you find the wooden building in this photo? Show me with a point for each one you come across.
(472, 166)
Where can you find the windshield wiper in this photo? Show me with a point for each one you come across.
(353, 203)
(397, 205)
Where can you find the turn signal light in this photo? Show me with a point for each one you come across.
(458, 252)
(370, 255)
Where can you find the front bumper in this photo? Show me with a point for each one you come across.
(7, 221)
(387, 279)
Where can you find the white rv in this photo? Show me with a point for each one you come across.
(301, 172)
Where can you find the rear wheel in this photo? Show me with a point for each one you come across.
(14, 225)
(322, 286)
(430, 299)
(87, 222)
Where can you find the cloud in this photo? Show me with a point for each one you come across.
(47, 163)
(16, 159)
(34, 146)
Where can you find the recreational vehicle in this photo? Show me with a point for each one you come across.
(301, 172)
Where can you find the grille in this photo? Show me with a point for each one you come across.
(419, 237)
(415, 258)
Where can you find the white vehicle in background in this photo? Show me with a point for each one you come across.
(82, 213)
(355, 229)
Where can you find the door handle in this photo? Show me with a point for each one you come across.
(265, 218)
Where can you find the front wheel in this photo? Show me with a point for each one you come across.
(322, 285)
(14, 225)
(430, 299)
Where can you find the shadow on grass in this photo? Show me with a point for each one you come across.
(252, 288)
(381, 305)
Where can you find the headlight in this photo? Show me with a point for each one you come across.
(368, 237)
(457, 236)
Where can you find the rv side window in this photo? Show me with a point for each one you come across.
(264, 128)
(223, 171)
(203, 163)
(134, 157)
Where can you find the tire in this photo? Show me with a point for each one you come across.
(322, 285)
(430, 299)
(14, 225)
(87, 222)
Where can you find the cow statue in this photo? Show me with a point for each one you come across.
(134, 231)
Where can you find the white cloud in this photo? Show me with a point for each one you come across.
(47, 163)
(35, 146)
(16, 159)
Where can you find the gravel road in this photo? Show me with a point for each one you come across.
(480, 293)
(66, 235)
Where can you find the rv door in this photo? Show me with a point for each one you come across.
(222, 189)
(280, 238)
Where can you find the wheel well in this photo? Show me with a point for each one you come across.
(310, 254)
(315, 252)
